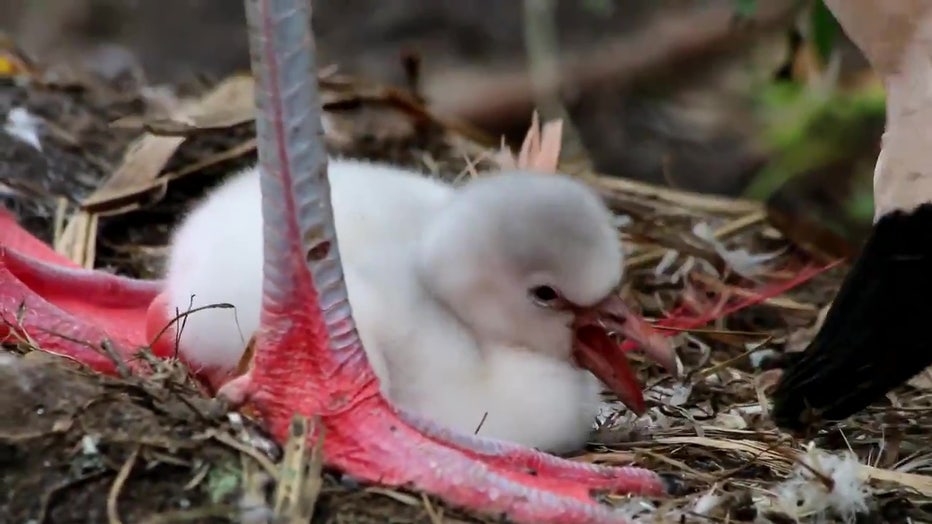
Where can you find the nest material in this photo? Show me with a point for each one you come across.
(115, 172)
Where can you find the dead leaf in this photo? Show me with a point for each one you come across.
(78, 241)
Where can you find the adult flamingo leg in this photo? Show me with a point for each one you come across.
(309, 360)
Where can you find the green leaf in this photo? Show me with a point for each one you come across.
(745, 8)
(805, 129)
(222, 481)
(824, 28)
(600, 7)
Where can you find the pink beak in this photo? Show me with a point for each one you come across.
(595, 350)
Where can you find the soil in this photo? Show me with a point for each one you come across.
(66, 433)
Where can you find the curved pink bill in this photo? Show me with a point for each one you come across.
(596, 350)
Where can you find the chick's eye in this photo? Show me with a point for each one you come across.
(544, 295)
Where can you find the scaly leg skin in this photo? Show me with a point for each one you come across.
(631, 480)
(69, 311)
(367, 439)
(309, 359)
(296, 370)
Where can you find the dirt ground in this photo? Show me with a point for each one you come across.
(67, 434)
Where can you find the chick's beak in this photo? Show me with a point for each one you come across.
(595, 350)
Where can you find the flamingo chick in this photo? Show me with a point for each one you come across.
(476, 305)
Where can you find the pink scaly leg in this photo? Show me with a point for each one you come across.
(367, 439)
(506, 454)
(309, 359)
(68, 310)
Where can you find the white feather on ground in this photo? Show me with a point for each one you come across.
(805, 494)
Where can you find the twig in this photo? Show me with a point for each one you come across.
(18, 331)
(242, 149)
(121, 367)
(709, 331)
(774, 301)
(253, 488)
(300, 484)
(434, 516)
(183, 317)
(721, 365)
(113, 516)
(46, 499)
(733, 227)
(263, 461)
(485, 415)
(689, 200)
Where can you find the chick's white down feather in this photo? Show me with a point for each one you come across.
(438, 279)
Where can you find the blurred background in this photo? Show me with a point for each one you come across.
(765, 100)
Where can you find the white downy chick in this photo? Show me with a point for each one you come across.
(216, 254)
(466, 300)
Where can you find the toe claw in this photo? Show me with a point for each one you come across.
(237, 391)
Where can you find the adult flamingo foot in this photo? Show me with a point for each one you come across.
(296, 371)
(370, 440)
(308, 357)
(310, 360)
(72, 311)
